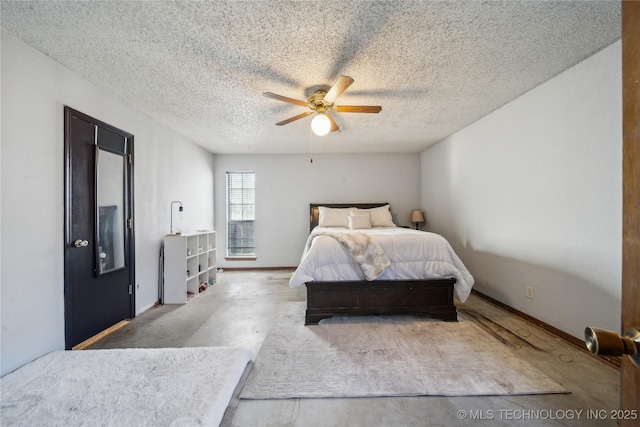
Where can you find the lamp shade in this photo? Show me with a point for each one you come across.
(416, 216)
(321, 124)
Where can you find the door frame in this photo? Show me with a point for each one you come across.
(68, 239)
(630, 374)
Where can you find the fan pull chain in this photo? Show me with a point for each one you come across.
(310, 146)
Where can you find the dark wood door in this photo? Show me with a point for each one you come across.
(630, 382)
(99, 252)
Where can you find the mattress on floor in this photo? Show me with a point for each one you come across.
(132, 387)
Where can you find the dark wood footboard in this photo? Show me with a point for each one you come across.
(430, 296)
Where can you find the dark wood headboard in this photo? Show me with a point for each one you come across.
(314, 212)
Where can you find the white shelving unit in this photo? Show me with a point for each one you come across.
(189, 265)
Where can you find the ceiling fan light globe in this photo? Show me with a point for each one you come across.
(320, 125)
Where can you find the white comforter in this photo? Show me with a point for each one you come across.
(413, 255)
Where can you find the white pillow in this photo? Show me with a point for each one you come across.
(359, 221)
(334, 217)
(380, 217)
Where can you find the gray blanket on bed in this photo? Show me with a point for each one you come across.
(366, 252)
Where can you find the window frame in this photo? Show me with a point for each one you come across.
(244, 225)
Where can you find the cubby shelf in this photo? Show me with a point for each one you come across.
(189, 265)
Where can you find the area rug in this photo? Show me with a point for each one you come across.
(386, 356)
(124, 387)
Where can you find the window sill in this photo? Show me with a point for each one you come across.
(240, 258)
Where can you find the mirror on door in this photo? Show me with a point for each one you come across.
(110, 178)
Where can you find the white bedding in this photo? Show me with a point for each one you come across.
(413, 254)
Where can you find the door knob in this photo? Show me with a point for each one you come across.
(80, 243)
(607, 343)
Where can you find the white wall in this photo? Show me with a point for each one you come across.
(531, 195)
(168, 167)
(286, 184)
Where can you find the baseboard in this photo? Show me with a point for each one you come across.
(147, 307)
(255, 268)
(609, 360)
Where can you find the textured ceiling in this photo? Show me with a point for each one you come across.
(201, 67)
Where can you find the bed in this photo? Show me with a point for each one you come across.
(351, 267)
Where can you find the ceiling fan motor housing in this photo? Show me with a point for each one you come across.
(317, 103)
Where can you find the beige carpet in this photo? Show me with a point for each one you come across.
(386, 356)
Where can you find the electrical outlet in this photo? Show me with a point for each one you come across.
(529, 292)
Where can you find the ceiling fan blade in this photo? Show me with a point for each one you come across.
(334, 125)
(293, 119)
(285, 99)
(357, 108)
(338, 88)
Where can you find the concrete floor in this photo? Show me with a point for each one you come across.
(239, 311)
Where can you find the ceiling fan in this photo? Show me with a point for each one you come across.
(322, 103)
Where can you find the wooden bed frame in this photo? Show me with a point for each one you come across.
(326, 299)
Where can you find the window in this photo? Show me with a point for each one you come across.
(241, 214)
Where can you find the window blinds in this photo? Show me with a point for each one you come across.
(241, 214)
